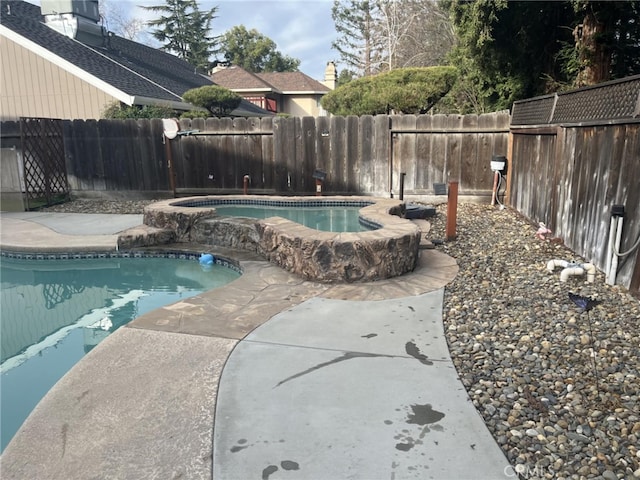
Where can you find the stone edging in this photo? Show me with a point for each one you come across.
(389, 251)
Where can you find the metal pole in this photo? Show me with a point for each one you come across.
(402, 175)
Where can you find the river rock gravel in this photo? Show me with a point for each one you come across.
(557, 387)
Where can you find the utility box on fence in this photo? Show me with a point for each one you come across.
(320, 177)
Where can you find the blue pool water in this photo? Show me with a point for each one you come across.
(53, 312)
(328, 219)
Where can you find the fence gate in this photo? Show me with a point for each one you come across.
(45, 173)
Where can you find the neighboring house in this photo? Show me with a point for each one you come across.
(293, 93)
(78, 73)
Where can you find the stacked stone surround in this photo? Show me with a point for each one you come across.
(389, 251)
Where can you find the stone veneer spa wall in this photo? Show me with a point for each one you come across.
(388, 251)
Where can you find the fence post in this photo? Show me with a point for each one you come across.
(452, 210)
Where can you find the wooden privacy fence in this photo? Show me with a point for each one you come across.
(360, 155)
(573, 156)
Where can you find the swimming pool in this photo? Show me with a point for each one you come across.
(327, 219)
(53, 312)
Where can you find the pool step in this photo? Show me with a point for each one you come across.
(145, 236)
(425, 228)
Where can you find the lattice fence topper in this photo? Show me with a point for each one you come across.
(617, 99)
(45, 173)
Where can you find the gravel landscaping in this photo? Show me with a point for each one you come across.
(557, 386)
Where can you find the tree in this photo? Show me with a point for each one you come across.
(184, 31)
(508, 51)
(381, 35)
(429, 39)
(358, 45)
(607, 40)
(254, 51)
(402, 90)
(215, 99)
(119, 23)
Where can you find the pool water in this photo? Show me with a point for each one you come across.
(328, 219)
(53, 312)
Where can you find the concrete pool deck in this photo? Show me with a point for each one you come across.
(270, 377)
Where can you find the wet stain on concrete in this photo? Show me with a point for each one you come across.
(411, 308)
(342, 358)
(404, 447)
(424, 414)
(266, 473)
(289, 465)
(285, 464)
(413, 350)
(370, 335)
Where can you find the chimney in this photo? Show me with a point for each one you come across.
(330, 76)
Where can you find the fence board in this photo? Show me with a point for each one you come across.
(403, 152)
(366, 179)
(425, 174)
(335, 174)
(469, 174)
(157, 156)
(352, 162)
(381, 155)
(439, 151)
(487, 147)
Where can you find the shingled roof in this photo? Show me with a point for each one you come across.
(293, 82)
(240, 80)
(134, 70)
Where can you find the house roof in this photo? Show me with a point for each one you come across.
(240, 80)
(133, 73)
(294, 82)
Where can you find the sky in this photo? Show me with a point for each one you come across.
(302, 29)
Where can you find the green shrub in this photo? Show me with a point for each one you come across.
(403, 90)
(218, 100)
(116, 111)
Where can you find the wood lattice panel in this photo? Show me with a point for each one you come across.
(45, 173)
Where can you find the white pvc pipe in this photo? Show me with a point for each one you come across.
(590, 268)
(611, 278)
(567, 272)
(570, 269)
(552, 264)
(610, 253)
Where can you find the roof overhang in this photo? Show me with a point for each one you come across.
(69, 67)
(65, 65)
(254, 90)
(298, 92)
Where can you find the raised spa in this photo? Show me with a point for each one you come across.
(389, 250)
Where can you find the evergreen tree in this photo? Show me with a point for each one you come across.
(358, 43)
(509, 51)
(255, 52)
(184, 30)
